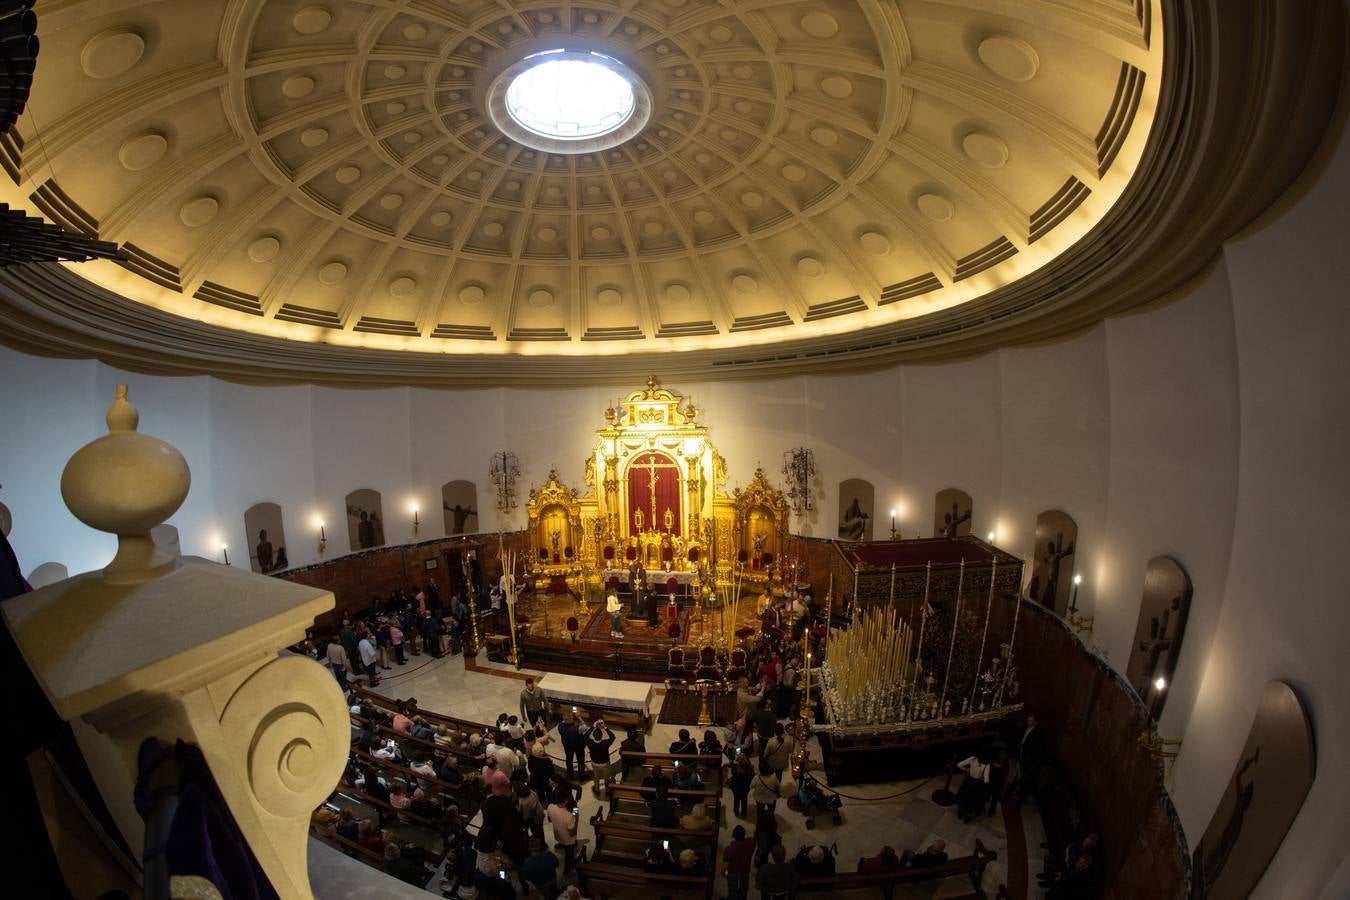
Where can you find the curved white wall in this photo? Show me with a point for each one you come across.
(1212, 427)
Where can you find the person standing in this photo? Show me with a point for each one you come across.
(766, 790)
(778, 878)
(778, 750)
(599, 740)
(533, 703)
(396, 641)
(563, 817)
(974, 791)
(574, 745)
(338, 661)
(742, 775)
(737, 856)
(369, 656)
(615, 610)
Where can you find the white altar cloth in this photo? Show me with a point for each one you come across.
(599, 693)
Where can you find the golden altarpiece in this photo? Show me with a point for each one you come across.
(656, 496)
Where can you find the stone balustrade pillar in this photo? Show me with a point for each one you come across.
(156, 645)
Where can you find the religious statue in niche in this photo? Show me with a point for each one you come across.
(1159, 631)
(459, 500)
(262, 522)
(1055, 540)
(365, 523)
(953, 510)
(855, 518)
(1270, 780)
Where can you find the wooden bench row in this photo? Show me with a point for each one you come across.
(972, 867)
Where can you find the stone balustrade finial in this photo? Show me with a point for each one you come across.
(126, 483)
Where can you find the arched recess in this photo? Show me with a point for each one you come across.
(365, 519)
(1157, 637)
(266, 537)
(1053, 560)
(459, 503)
(48, 573)
(6, 520)
(857, 502)
(952, 512)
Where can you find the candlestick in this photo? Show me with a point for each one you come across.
(979, 657)
(956, 619)
(892, 585)
(226, 551)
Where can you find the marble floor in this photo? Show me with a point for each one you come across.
(896, 813)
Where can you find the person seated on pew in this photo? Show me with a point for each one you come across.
(664, 812)
(421, 729)
(686, 778)
(375, 788)
(347, 825)
(449, 772)
(1054, 867)
(404, 868)
(399, 798)
(1075, 884)
(692, 863)
(436, 810)
(777, 879)
(368, 836)
(935, 854)
(325, 819)
(365, 741)
(710, 745)
(442, 738)
(386, 750)
(540, 868)
(697, 819)
(814, 862)
(657, 778)
(685, 744)
(885, 861)
(402, 723)
(659, 860)
(633, 742)
(422, 767)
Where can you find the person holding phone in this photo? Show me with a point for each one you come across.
(598, 742)
(562, 815)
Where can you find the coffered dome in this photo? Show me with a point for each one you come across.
(342, 172)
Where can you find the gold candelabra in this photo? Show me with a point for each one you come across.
(1079, 623)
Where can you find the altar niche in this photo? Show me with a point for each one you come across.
(655, 494)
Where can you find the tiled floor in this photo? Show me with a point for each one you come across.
(897, 813)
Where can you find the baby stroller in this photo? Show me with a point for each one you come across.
(813, 800)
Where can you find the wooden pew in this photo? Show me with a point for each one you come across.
(614, 873)
(710, 765)
(464, 795)
(642, 794)
(384, 702)
(351, 848)
(972, 866)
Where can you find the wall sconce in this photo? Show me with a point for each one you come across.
(323, 538)
(225, 551)
(504, 470)
(1158, 747)
(992, 535)
(894, 534)
(416, 522)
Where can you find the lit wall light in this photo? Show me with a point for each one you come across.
(323, 538)
(1160, 682)
(992, 534)
(416, 522)
(894, 533)
(225, 552)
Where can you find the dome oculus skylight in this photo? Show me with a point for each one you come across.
(569, 101)
(570, 97)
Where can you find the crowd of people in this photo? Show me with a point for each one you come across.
(437, 776)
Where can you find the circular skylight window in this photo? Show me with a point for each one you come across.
(569, 101)
(564, 97)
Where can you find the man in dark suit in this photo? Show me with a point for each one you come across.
(1031, 753)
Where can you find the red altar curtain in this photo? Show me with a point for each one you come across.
(667, 492)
